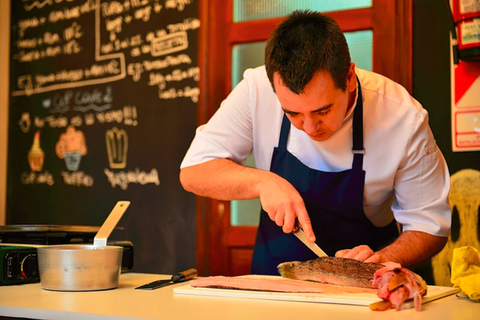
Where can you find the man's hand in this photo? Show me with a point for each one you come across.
(362, 253)
(410, 249)
(224, 179)
(284, 205)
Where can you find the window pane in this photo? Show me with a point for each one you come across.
(250, 55)
(245, 212)
(360, 44)
(245, 10)
(244, 56)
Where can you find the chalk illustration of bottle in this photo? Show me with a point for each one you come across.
(36, 156)
(71, 146)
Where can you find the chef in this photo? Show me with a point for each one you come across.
(345, 153)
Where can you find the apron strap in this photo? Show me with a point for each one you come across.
(282, 141)
(357, 132)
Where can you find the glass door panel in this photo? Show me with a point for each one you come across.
(246, 10)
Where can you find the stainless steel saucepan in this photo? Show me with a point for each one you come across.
(84, 267)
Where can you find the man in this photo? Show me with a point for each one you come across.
(345, 152)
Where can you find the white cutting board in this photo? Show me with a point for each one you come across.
(359, 299)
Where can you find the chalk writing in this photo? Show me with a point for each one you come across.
(37, 178)
(170, 43)
(77, 179)
(127, 115)
(177, 4)
(107, 68)
(187, 24)
(53, 121)
(72, 13)
(111, 17)
(136, 69)
(173, 93)
(123, 179)
(176, 75)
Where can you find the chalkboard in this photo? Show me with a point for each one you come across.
(103, 106)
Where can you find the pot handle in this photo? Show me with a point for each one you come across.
(107, 227)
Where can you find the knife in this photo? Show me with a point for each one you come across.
(313, 246)
(176, 278)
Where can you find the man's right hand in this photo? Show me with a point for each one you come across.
(224, 179)
(284, 205)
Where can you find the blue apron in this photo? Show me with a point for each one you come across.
(334, 202)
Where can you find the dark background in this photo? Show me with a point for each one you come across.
(161, 220)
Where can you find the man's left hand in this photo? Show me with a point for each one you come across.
(362, 253)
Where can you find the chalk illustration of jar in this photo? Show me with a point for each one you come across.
(36, 156)
(71, 147)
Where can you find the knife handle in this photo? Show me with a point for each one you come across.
(185, 275)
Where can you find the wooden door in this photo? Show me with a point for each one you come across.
(223, 249)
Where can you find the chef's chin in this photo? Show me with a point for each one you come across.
(320, 137)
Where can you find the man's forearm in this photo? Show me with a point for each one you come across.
(412, 248)
(223, 179)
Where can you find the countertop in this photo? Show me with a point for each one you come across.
(31, 301)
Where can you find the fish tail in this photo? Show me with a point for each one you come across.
(287, 269)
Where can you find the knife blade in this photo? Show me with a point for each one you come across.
(313, 246)
(176, 278)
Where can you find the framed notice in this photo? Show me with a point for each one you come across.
(465, 93)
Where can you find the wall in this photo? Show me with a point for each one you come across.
(4, 69)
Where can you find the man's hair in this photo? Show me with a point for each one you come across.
(304, 43)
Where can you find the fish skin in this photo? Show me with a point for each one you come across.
(332, 270)
(394, 284)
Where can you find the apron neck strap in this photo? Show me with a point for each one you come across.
(285, 130)
(357, 132)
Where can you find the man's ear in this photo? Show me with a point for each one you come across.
(351, 78)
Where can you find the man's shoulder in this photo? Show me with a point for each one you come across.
(258, 73)
(383, 90)
(257, 82)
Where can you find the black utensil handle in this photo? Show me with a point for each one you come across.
(185, 275)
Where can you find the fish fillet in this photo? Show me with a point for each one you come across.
(257, 284)
(339, 271)
(274, 284)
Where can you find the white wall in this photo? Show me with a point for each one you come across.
(4, 70)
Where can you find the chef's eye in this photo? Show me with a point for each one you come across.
(323, 112)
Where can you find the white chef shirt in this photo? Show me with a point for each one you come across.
(406, 174)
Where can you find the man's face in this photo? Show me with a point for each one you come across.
(318, 111)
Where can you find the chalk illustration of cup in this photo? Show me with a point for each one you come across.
(117, 147)
(71, 147)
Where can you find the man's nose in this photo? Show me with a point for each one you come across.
(309, 125)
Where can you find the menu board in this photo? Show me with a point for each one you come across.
(103, 106)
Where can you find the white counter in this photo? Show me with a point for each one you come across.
(31, 301)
